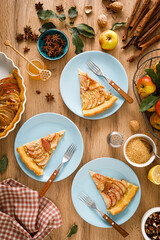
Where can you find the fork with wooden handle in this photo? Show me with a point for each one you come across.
(94, 68)
(67, 156)
(44, 74)
(90, 203)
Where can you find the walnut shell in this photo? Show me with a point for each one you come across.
(134, 125)
(102, 20)
(116, 7)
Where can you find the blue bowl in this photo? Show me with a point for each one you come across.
(40, 43)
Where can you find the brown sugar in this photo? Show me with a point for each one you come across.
(138, 151)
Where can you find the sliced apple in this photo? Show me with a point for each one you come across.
(90, 100)
(94, 99)
(98, 96)
(114, 198)
(33, 146)
(5, 112)
(36, 153)
(45, 161)
(3, 121)
(85, 100)
(121, 185)
(46, 144)
(125, 183)
(7, 119)
(99, 184)
(114, 185)
(107, 199)
(55, 141)
(116, 192)
(40, 159)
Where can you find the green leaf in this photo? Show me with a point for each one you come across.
(71, 23)
(46, 26)
(46, 14)
(118, 25)
(76, 40)
(152, 75)
(72, 12)
(62, 17)
(3, 163)
(73, 230)
(158, 71)
(86, 30)
(148, 102)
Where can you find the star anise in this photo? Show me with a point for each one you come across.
(26, 49)
(19, 37)
(59, 8)
(48, 40)
(34, 37)
(47, 48)
(50, 97)
(27, 29)
(28, 36)
(56, 38)
(57, 51)
(38, 6)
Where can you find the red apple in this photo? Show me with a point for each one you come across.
(155, 120)
(158, 107)
(145, 86)
(108, 40)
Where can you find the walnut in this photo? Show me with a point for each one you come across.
(116, 7)
(102, 20)
(134, 125)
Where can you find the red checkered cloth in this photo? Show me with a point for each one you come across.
(23, 215)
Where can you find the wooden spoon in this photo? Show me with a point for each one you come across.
(44, 74)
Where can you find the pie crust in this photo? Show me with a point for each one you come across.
(95, 99)
(36, 154)
(108, 186)
(17, 80)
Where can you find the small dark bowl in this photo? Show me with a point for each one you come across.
(40, 43)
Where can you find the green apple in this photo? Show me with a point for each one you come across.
(108, 40)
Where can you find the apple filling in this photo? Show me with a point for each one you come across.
(9, 101)
(112, 190)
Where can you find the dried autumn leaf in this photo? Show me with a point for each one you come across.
(72, 12)
(46, 26)
(3, 163)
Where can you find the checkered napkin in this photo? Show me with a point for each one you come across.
(23, 215)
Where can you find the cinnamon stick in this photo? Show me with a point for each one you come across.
(144, 47)
(146, 19)
(136, 20)
(129, 43)
(148, 33)
(151, 24)
(125, 33)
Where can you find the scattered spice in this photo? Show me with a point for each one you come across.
(35, 37)
(138, 151)
(50, 97)
(53, 45)
(88, 9)
(38, 6)
(59, 8)
(38, 92)
(19, 37)
(26, 49)
(152, 226)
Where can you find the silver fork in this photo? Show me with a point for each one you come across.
(66, 157)
(94, 68)
(90, 203)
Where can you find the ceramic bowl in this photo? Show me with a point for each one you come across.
(40, 43)
(149, 140)
(144, 218)
(6, 68)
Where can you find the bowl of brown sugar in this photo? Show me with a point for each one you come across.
(138, 150)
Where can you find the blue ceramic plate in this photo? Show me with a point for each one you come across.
(40, 43)
(83, 183)
(70, 87)
(41, 125)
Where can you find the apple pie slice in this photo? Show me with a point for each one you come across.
(95, 99)
(36, 154)
(116, 194)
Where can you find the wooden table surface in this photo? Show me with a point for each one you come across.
(14, 16)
